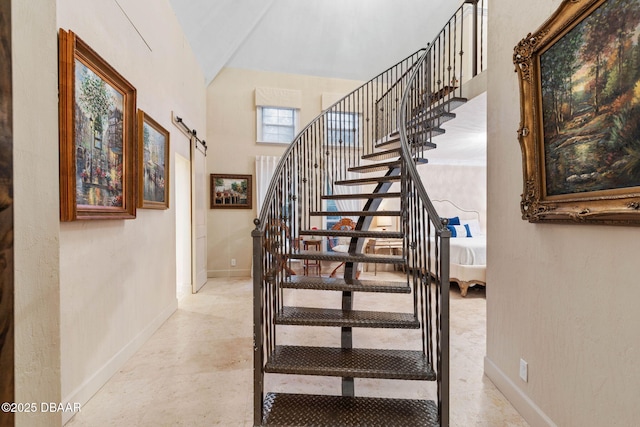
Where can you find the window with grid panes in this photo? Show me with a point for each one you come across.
(277, 124)
(342, 128)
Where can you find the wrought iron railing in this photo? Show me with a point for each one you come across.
(412, 98)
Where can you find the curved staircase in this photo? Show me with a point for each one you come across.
(397, 114)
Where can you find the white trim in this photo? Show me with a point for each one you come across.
(89, 387)
(229, 273)
(531, 412)
(277, 97)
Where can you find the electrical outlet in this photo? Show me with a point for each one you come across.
(524, 370)
(233, 262)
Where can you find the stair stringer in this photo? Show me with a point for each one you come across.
(364, 221)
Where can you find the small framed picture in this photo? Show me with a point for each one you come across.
(231, 191)
(153, 171)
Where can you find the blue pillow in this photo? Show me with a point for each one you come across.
(459, 230)
(454, 221)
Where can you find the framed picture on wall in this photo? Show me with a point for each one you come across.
(97, 137)
(153, 170)
(580, 109)
(231, 191)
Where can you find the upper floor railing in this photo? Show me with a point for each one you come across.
(413, 99)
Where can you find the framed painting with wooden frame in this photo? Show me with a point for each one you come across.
(231, 191)
(579, 77)
(97, 135)
(7, 276)
(153, 171)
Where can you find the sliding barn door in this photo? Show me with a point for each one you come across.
(199, 215)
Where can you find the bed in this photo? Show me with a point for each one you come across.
(468, 255)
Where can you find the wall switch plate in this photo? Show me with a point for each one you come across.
(233, 262)
(524, 370)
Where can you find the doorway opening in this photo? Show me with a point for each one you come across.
(183, 225)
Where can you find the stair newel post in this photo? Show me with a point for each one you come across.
(346, 333)
(258, 339)
(346, 338)
(443, 369)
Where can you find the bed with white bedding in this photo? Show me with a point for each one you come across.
(468, 249)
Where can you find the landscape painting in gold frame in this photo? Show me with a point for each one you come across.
(153, 172)
(579, 77)
(97, 135)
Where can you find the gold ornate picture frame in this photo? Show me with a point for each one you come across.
(97, 115)
(579, 77)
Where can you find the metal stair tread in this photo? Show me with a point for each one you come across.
(355, 213)
(347, 257)
(440, 107)
(308, 316)
(361, 196)
(374, 167)
(340, 284)
(427, 145)
(354, 362)
(371, 180)
(354, 233)
(382, 155)
(287, 409)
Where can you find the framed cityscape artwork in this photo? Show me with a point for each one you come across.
(153, 171)
(97, 138)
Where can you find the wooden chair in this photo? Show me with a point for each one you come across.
(277, 241)
(341, 243)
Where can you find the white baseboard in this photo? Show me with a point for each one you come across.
(523, 404)
(89, 387)
(229, 273)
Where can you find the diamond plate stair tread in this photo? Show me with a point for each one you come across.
(306, 316)
(356, 213)
(346, 257)
(361, 196)
(371, 180)
(375, 167)
(424, 145)
(354, 233)
(355, 362)
(282, 409)
(382, 155)
(440, 108)
(339, 284)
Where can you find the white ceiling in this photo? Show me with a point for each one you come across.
(350, 39)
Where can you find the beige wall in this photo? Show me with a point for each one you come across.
(118, 278)
(37, 227)
(231, 137)
(563, 297)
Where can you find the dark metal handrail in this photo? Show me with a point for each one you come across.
(414, 97)
(299, 139)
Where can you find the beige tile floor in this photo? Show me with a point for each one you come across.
(196, 370)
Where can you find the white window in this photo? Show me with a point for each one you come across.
(277, 124)
(342, 128)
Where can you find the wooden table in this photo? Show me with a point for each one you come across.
(394, 246)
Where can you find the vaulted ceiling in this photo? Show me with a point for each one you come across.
(350, 39)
